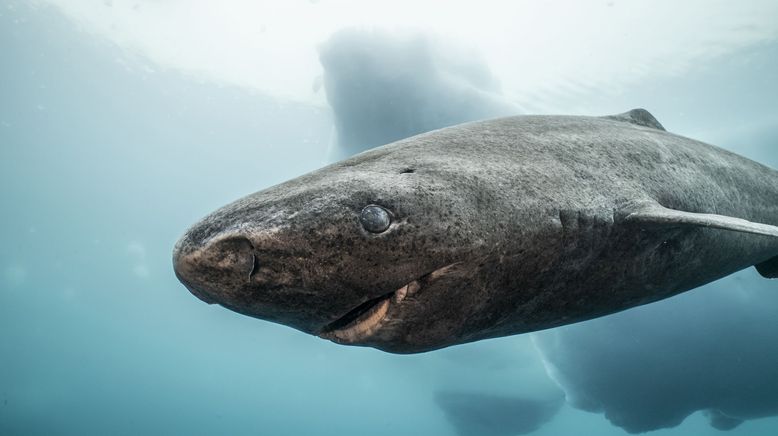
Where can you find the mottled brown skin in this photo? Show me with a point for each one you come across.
(528, 211)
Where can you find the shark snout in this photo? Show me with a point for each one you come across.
(215, 269)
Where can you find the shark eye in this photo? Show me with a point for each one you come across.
(375, 219)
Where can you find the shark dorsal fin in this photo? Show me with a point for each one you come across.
(641, 117)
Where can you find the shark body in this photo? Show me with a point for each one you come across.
(487, 229)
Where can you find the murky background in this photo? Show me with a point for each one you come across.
(123, 122)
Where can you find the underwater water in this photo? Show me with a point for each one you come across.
(111, 146)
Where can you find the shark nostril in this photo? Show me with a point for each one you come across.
(232, 256)
(212, 268)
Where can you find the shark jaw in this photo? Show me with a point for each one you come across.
(369, 317)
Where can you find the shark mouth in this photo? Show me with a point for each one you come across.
(367, 318)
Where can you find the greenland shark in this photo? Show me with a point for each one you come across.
(487, 229)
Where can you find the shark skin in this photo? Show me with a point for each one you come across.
(487, 229)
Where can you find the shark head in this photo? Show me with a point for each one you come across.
(372, 251)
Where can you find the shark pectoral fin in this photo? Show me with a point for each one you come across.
(722, 422)
(769, 268)
(656, 215)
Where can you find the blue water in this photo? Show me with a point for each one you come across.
(106, 159)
